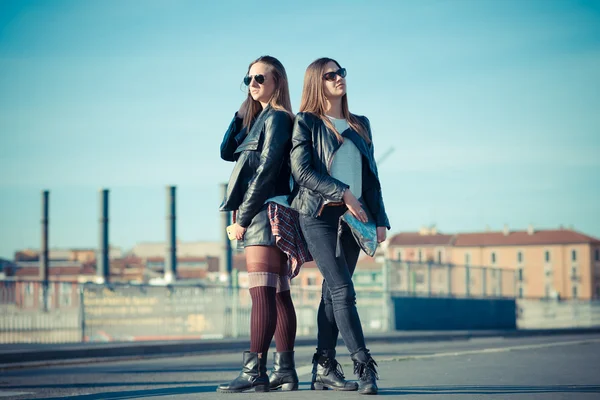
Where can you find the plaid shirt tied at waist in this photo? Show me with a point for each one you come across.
(285, 225)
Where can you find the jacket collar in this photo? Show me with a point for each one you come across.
(260, 119)
(358, 141)
(351, 134)
(256, 129)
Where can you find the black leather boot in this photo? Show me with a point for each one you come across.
(253, 377)
(328, 373)
(284, 374)
(364, 368)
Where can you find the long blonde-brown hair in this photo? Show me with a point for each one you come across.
(280, 100)
(314, 100)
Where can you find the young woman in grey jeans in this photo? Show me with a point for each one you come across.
(333, 164)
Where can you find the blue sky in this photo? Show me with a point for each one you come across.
(492, 108)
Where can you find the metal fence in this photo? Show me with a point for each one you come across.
(118, 312)
(26, 319)
(542, 314)
(431, 279)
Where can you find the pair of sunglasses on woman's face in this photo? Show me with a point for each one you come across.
(259, 78)
(330, 76)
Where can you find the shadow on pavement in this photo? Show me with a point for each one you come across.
(237, 368)
(95, 369)
(425, 390)
(107, 384)
(136, 394)
(487, 390)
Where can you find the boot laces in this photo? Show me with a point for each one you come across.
(336, 368)
(366, 370)
(332, 366)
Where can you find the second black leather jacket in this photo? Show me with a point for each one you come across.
(313, 148)
(262, 167)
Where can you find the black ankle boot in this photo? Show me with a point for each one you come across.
(328, 373)
(364, 368)
(284, 374)
(253, 377)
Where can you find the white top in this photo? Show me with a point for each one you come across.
(281, 200)
(347, 161)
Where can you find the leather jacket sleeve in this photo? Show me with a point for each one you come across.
(372, 195)
(302, 167)
(277, 132)
(231, 140)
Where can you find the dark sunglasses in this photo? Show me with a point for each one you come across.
(330, 76)
(260, 79)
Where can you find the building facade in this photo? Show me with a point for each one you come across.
(560, 263)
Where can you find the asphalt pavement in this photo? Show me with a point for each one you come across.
(491, 367)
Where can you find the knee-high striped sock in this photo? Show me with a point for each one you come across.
(285, 332)
(263, 317)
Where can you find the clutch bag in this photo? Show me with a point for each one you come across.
(365, 233)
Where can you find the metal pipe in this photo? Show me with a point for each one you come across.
(103, 263)
(226, 264)
(170, 273)
(44, 261)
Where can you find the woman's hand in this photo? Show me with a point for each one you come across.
(381, 234)
(354, 206)
(238, 231)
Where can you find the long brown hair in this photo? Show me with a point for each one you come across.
(280, 100)
(313, 99)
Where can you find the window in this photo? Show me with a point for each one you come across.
(311, 281)
(399, 255)
(419, 278)
(66, 294)
(439, 257)
(467, 259)
(547, 256)
(520, 292)
(493, 258)
(574, 292)
(573, 255)
(49, 297)
(547, 291)
(420, 255)
(520, 257)
(597, 257)
(520, 274)
(28, 294)
(573, 272)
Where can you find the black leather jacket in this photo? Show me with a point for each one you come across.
(262, 167)
(313, 148)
